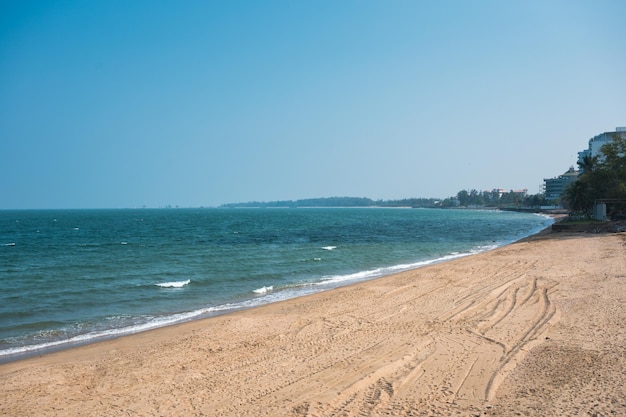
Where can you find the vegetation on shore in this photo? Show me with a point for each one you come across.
(602, 179)
(495, 199)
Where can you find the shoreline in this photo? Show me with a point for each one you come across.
(61, 345)
(492, 333)
(218, 310)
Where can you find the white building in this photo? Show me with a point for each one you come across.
(597, 142)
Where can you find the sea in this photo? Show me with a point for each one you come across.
(70, 277)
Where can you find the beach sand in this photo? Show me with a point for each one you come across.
(534, 328)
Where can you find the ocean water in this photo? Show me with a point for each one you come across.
(75, 276)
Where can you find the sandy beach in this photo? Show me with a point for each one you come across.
(534, 328)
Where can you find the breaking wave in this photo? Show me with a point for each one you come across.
(173, 284)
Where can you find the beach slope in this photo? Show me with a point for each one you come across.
(533, 328)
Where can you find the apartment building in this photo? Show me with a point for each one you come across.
(554, 187)
(597, 142)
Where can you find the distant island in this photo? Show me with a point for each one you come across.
(339, 202)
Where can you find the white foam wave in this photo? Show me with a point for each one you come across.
(151, 323)
(337, 280)
(483, 248)
(264, 290)
(173, 284)
(329, 247)
(357, 276)
(111, 333)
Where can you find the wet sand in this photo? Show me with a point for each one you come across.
(533, 328)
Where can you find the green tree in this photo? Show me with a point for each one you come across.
(491, 198)
(603, 177)
(510, 199)
(578, 197)
(535, 200)
(614, 167)
(463, 197)
(476, 198)
(588, 163)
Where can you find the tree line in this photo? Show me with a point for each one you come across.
(464, 198)
(603, 178)
(495, 199)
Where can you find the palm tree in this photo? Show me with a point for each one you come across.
(579, 198)
(587, 164)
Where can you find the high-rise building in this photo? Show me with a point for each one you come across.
(554, 187)
(597, 142)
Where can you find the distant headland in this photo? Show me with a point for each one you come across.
(338, 202)
(463, 199)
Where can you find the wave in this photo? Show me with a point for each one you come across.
(151, 323)
(329, 247)
(173, 284)
(114, 332)
(264, 290)
(337, 280)
(283, 292)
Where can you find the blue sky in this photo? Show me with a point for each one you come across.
(198, 103)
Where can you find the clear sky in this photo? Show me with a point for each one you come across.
(198, 103)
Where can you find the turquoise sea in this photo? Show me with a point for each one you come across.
(74, 276)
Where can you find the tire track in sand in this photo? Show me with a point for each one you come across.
(458, 355)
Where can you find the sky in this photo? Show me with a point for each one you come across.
(122, 104)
